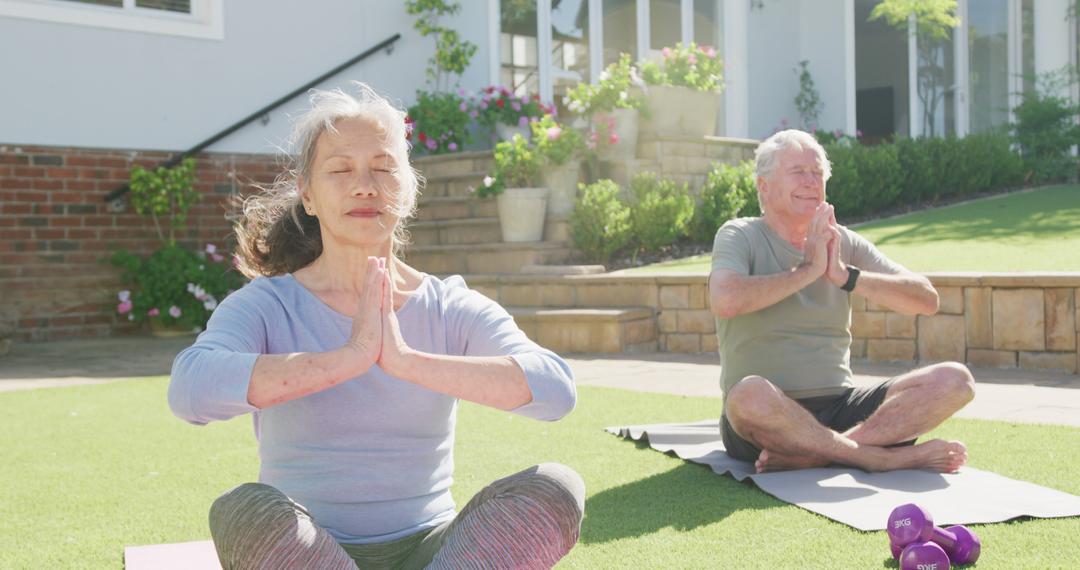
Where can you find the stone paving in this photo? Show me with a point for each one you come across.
(1002, 394)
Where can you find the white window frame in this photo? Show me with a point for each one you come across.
(206, 20)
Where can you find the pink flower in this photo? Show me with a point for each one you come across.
(211, 248)
(217, 257)
(431, 144)
(553, 133)
(613, 138)
(153, 312)
(124, 307)
(523, 121)
(710, 51)
(667, 52)
(461, 91)
(174, 312)
(692, 59)
(463, 107)
(484, 104)
(452, 146)
(515, 106)
(474, 113)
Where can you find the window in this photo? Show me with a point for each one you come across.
(519, 68)
(189, 18)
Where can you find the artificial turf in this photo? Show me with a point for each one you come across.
(1037, 230)
(90, 469)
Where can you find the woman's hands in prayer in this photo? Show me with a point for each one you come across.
(376, 337)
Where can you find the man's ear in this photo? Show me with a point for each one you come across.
(763, 186)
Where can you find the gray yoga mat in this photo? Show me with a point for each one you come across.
(864, 500)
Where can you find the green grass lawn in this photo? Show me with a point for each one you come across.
(90, 469)
(1026, 231)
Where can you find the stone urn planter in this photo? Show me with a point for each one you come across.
(521, 214)
(625, 124)
(681, 111)
(562, 181)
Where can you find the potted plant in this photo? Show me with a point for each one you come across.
(683, 90)
(439, 122)
(612, 108)
(560, 148)
(521, 203)
(506, 114)
(174, 289)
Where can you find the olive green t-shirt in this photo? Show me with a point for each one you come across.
(803, 343)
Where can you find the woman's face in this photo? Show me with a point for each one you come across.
(351, 186)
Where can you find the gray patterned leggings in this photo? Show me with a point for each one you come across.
(530, 519)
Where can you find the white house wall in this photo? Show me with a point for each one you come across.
(783, 33)
(822, 43)
(70, 85)
(1052, 30)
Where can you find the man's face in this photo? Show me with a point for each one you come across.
(795, 187)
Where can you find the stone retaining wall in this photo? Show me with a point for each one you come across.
(1027, 321)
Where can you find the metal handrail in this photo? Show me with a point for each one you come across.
(385, 44)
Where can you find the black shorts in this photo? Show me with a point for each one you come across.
(839, 413)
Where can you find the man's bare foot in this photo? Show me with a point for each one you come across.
(937, 455)
(773, 461)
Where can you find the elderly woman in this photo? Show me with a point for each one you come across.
(351, 364)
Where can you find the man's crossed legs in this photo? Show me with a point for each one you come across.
(786, 435)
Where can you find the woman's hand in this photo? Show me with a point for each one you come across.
(395, 351)
(365, 342)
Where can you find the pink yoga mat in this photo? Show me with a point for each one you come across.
(197, 555)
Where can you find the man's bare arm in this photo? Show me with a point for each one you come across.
(732, 294)
(908, 293)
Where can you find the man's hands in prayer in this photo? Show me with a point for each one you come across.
(822, 237)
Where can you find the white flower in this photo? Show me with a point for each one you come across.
(566, 100)
(124, 296)
(210, 304)
(211, 248)
(190, 287)
(604, 75)
(622, 95)
(488, 181)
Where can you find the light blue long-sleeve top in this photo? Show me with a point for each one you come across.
(371, 458)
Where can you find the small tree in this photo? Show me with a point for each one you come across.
(934, 19)
(165, 193)
(452, 55)
(808, 101)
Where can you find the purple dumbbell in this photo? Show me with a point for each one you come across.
(923, 556)
(911, 523)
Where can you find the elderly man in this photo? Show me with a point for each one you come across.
(780, 289)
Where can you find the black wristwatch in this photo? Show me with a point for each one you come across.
(852, 277)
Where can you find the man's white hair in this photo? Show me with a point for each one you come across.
(766, 154)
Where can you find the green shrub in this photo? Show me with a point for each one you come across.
(1046, 129)
(600, 222)
(865, 179)
(868, 180)
(661, 211)
(175, 286)
(729, 192)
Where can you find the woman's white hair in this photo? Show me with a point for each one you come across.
(766, 154)
(274, 233)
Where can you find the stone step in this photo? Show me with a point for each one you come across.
(453, 185)
(454, 163)
(456, 232)
(429, 209)
(468, 231)
(616, 330)
(486, 257)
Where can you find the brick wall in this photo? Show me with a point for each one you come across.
(55, 230)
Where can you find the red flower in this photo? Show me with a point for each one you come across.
(500, 103)
(422, 137)
(535, 97)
